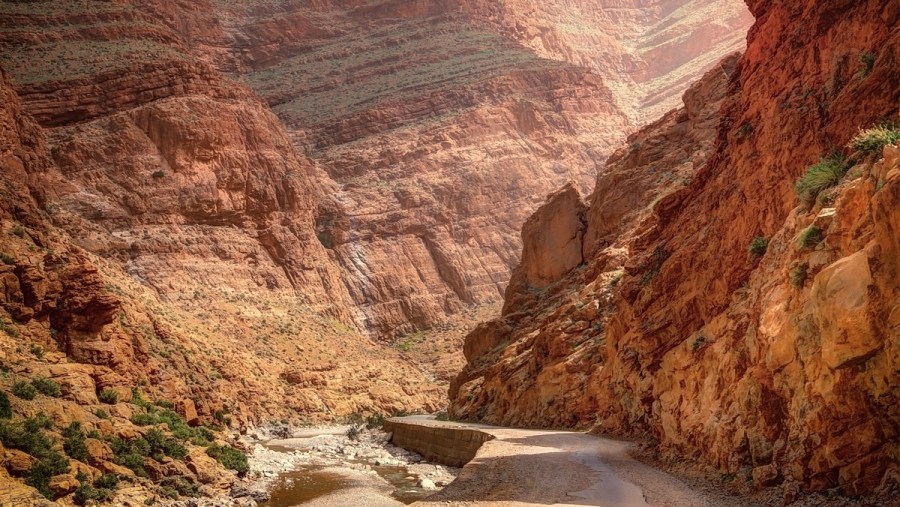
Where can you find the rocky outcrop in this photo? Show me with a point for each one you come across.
(551, 335)
(774, 362)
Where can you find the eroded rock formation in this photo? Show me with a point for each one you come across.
(778, 363)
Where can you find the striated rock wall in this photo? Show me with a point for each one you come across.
(779, 366)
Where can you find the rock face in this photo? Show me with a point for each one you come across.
(777, 364)
(432, 129)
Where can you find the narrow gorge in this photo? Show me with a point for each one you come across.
(672, 222)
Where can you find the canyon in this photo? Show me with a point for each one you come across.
(264, 214)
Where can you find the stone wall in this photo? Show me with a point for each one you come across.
(440, 443)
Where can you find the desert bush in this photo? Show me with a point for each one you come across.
(181, 485)
(5, 406)
(229, 457)
(811, 236)
(73, 442)
(108, 396)
(24, 390)
(759, 246)
(46, 387)
(825, 174)
(161, 446)
(799, 273)
(872, 141)
(375, 421)
(28, 436)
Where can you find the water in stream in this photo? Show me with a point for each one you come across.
(313, 481)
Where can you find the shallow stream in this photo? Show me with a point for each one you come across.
(308, 482)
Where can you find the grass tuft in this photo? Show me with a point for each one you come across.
(823, 175)
(811, 236)
(872, 141)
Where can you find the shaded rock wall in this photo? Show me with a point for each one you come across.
(778, 366)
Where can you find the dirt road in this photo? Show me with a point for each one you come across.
(540, 468)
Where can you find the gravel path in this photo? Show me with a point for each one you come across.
(539, 468)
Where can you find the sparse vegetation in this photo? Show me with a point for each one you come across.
(24, 390)
(5, 406)
(162, 446)
(745, 130)
(353, 431)
(73, 442)
(175, 487)
(131, 454)
(825, 174)
(867, 60)
(799, 273)
(229, 457)
(7, 259)
(158, 175)
(108, 396)
(759, 246)
(811, 236)
(375, 421)
(698, 343)
(872, 141)
(176, 424)
(18, 231)
(28, 436)
(9, 330)
(37, 351)
(46, 387)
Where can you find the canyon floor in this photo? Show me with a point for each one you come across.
(518, 468)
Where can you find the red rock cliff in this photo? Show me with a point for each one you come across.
(779, 365)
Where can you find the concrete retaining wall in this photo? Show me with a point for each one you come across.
(444, 444)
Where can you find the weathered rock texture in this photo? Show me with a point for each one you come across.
(434, 128)
(410, 141)
(781, 367)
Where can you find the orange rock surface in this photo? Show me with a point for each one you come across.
(780, 366)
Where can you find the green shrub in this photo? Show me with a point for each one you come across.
(799, 274)
(177, 425)
(7, 259)
(825, 174)
(24, 390)
(28, 436)
(102, 414)
(229, 457)
(107, 481)
(872, 141)
(108, 396)
(130, 454)
(161, 445)
(182, 485)
(73, 442)
(759, 246)
(158, 174)
(52, 463)
(18, 231)
(375, 421)
(96, 492)
(5, 406)
(811, 236)
(37, 351)
(46, 387)
(137, 399)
